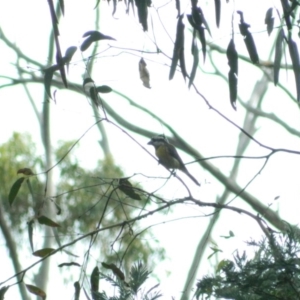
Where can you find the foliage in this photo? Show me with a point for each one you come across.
(131, 288)
(273, 273)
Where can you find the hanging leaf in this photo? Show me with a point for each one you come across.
(218, 11)
(30, 233)
(248, 39)
(69, 54)
(115, 270)
(269, 20)
(178, 48)
(14, 190)
(278, 55)
(36, 291)
(114, 7)
(143, 12)
(287, 13)
(104, 89)
(3, 290)
(62, 6)
(95, 280)
(177, 4)
(233, 72)
(126, 187)
(94, 96)
(294, 54)
(77, 290)
(69, 264)
(195, 53)
(144, 73)
(27, 172)
(43, 252)
(93, 36)
(48, 78)
(88, 81)
(197, 22)
(46, 221)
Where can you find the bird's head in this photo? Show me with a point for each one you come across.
(158, 141)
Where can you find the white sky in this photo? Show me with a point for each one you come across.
(172, 101)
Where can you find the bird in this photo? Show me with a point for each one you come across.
(168, 156)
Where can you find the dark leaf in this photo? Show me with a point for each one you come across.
(58, 208)
(177, 3)
(114, 7)
(77, 290)
(293, 49)
(218, 11)
(199, 19)
(94, 96)
(287, 13)
(126, 187)
(48, 78)
(142, 13)
(30, 232)
(278, 55)
(195, 53)
(87, 81)
(144, 73)
(248, 39)
(115, 270)
(46, 221)
(269, 20)
(14, 190)
(182, 64)
(178, 47)
(3, 290)
(196, 21)
(69, 264)
(233, 72)
(104, 89)
(95, 280)
(36, 291)
(62, 6)
(93, 36)
(43, 252)
(25, 171)
(69, 54)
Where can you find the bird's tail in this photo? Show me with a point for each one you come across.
(191, 176)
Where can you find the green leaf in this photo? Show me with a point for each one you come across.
(77, 290)
(30, 233)
(104, 89)
(278, 55)
(218, 11)
(126, 187)
(233, 72)
(46, 221)
(3, 290)
(36, 291)
(248, 39)
(95, 280)
(69, 264)
(269, 20)
(14, 190)
(294, 54)
(48, 78)
(93, 36)
(178, 47)
(43, 252)
(114, 269)
(195, 53)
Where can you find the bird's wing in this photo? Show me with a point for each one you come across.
(173, 152)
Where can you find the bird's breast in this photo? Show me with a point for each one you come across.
(166, 159)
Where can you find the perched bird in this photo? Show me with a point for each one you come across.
(168, 156)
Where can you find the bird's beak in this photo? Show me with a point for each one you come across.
(150, 143)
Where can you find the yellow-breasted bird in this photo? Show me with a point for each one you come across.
(168, 156)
